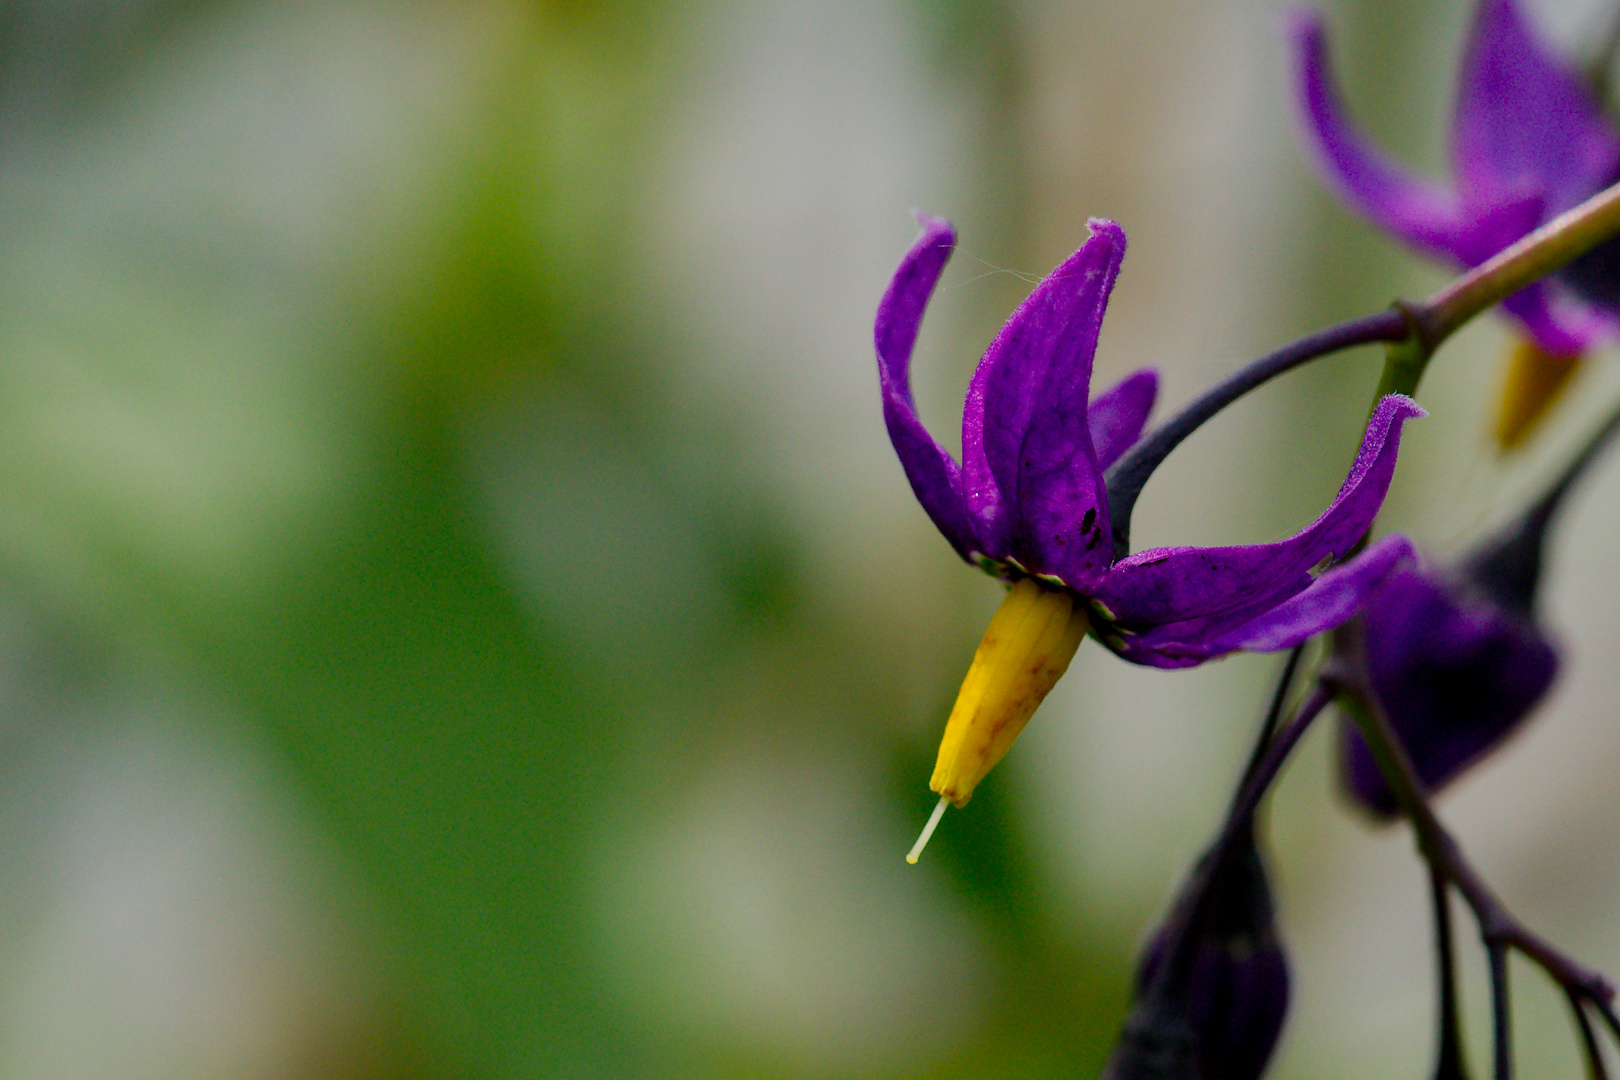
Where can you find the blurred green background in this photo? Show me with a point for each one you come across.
(460, 615)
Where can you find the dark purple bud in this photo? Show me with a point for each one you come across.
(1213, 980)
(1456, 673)
(1157, 1043)
(1457, 659)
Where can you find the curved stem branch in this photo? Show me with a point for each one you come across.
(1562, 240)
(1130, 473)
(1268, 727)
(1497, 925)
(1238, 827)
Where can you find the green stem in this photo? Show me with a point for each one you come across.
(1557, 243)
(1562, 240)
(1404, 364)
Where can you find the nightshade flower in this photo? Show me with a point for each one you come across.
(1527, 143)
(1028, 505)
(1456, 656)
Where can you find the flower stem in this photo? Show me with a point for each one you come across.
(1413, 332)
(1449, 1062)
(1532, 257)
(1501, 1010)
(1560, 241)
(1595, 1069)
(1498, 927)
(1237, 831)
(1268, 727)
(1130, 473)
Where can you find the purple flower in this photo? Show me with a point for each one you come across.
(1028, 499)
(1029, 505)
(1456, 671)
(1528, 142)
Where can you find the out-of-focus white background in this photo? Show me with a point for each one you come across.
(460, 614)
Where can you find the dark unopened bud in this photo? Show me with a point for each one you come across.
(1457, 659)
(1456, 672)
(1158, 1043)
(1212, 989)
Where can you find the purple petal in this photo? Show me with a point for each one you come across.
(1420, 212)
(1190, 597)
(934, 476)
(1332, 600)
(1492, 227)
(1563, 329)
(1025, 438)
(1456, 676)
(1118, 414)
(1524, 122)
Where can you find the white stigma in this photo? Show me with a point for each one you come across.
(928, 830)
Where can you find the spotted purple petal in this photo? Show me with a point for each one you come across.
(1524, 122)
(934, 476)
(1194, 596)
(1422, 213)
(1455, 674)
(1118, 415)
(1025, 435)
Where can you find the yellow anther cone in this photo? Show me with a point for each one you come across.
(1026, 649)
(1532, 383)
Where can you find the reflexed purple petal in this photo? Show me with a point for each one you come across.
(1333, 599)
(1330, 601)
(934, 476)
(1194, 596)
(1456, 675)
(1118, 414)
(1493, 227)
(1559, 328)
(1524, 121)
(1024, 428)
(1422, 213)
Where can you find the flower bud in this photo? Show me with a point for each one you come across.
(1456, 672)
(1212, 989)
